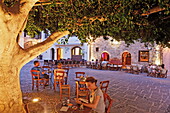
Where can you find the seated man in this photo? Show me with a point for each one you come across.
(38, 68)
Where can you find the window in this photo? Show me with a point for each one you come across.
(97, 49)
(143, 56)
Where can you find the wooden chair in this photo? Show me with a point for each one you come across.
(46, 69)
(108, 102)
(36, 78)
(64, 90)
(115, 67)
(104, 66)
(111, 67)
(135, 69)
(81, 89)
(99, 67)
(66, 71)
(152, 72)
(119, 67)
(163, 73)
(104, 86)
(149, 70)
(80, 74)
(128, 68)
(51, 63)
(58, 78)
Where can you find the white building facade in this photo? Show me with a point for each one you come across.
(101, 49)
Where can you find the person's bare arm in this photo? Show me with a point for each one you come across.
(91, 105)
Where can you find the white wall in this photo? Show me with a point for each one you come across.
(47, 55)
(72, 42)
(166, 57)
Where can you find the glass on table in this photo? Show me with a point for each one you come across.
(64, 103)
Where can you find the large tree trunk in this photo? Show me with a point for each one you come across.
(10, 92)
(13, 57)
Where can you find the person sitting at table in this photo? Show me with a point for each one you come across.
(59, 68)
(38, 68)
(96, 98)
(161, 69)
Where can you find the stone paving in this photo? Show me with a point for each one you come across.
(131, 93)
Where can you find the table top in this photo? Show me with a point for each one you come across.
(72, 108)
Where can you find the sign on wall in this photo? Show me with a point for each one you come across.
(143, 56)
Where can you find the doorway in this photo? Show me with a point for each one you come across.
(52, 53)
(126, 58)
(59, 53)
(104, 56)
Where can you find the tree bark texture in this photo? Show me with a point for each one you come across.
(10, 92)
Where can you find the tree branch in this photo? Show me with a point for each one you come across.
(153, 10)
(2, 5)
(20, 16)
(22, 29)
(26, 5)
(46, 3)
(37, 49)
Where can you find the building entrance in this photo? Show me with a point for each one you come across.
(126, 58)
(104, 56)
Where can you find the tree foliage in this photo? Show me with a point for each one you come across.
(121, 19)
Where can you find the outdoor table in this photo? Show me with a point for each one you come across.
(71, 108)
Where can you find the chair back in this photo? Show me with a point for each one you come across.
(46, 69)
(66, 70)
(59, 75)
(163, 73)
(81, 89)
(128, 67)
(36, 78)
(80, 74)
(35, 74)
(104, 85)
(135, 68)
(115, 65)
(51, 63)
(149, 70)
(108, 102)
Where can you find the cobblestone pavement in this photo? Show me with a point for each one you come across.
(131, 93)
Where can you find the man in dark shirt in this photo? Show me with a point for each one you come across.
(38, 68)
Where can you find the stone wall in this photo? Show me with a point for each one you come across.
(116, 50)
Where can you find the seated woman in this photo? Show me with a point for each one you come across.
(96, 98)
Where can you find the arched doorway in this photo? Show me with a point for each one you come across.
(126, 58)
(59, 53)
(52, 53)
(76, 53)
(104, 56)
